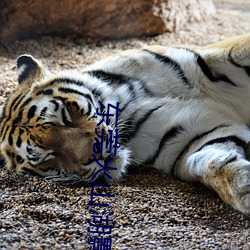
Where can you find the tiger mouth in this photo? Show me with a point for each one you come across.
(97, 157)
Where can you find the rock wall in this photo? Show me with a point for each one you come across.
(98, 19)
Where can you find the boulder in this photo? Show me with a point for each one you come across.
(98, 19)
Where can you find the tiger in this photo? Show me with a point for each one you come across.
(183, 110)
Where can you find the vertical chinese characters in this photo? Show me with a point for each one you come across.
(109, 143)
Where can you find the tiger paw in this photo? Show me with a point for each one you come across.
(223, 159)
(232, 182)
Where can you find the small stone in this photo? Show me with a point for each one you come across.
(68, 236)
(61, 234)
(39, 239)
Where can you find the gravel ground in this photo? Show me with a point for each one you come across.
(151, 210)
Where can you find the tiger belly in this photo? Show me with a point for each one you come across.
(166, 131)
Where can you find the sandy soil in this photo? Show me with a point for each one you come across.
(151, 210)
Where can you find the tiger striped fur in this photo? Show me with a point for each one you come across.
(184, 111)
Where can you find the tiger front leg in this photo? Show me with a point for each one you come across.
(224, 170)
(230, 178)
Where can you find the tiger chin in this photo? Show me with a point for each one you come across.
(184, 111)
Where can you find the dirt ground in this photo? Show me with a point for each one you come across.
(151, 210)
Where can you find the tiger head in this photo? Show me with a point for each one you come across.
(49, 128)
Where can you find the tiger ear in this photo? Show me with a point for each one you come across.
(29, 69)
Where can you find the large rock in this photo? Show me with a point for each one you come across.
(97, 18)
